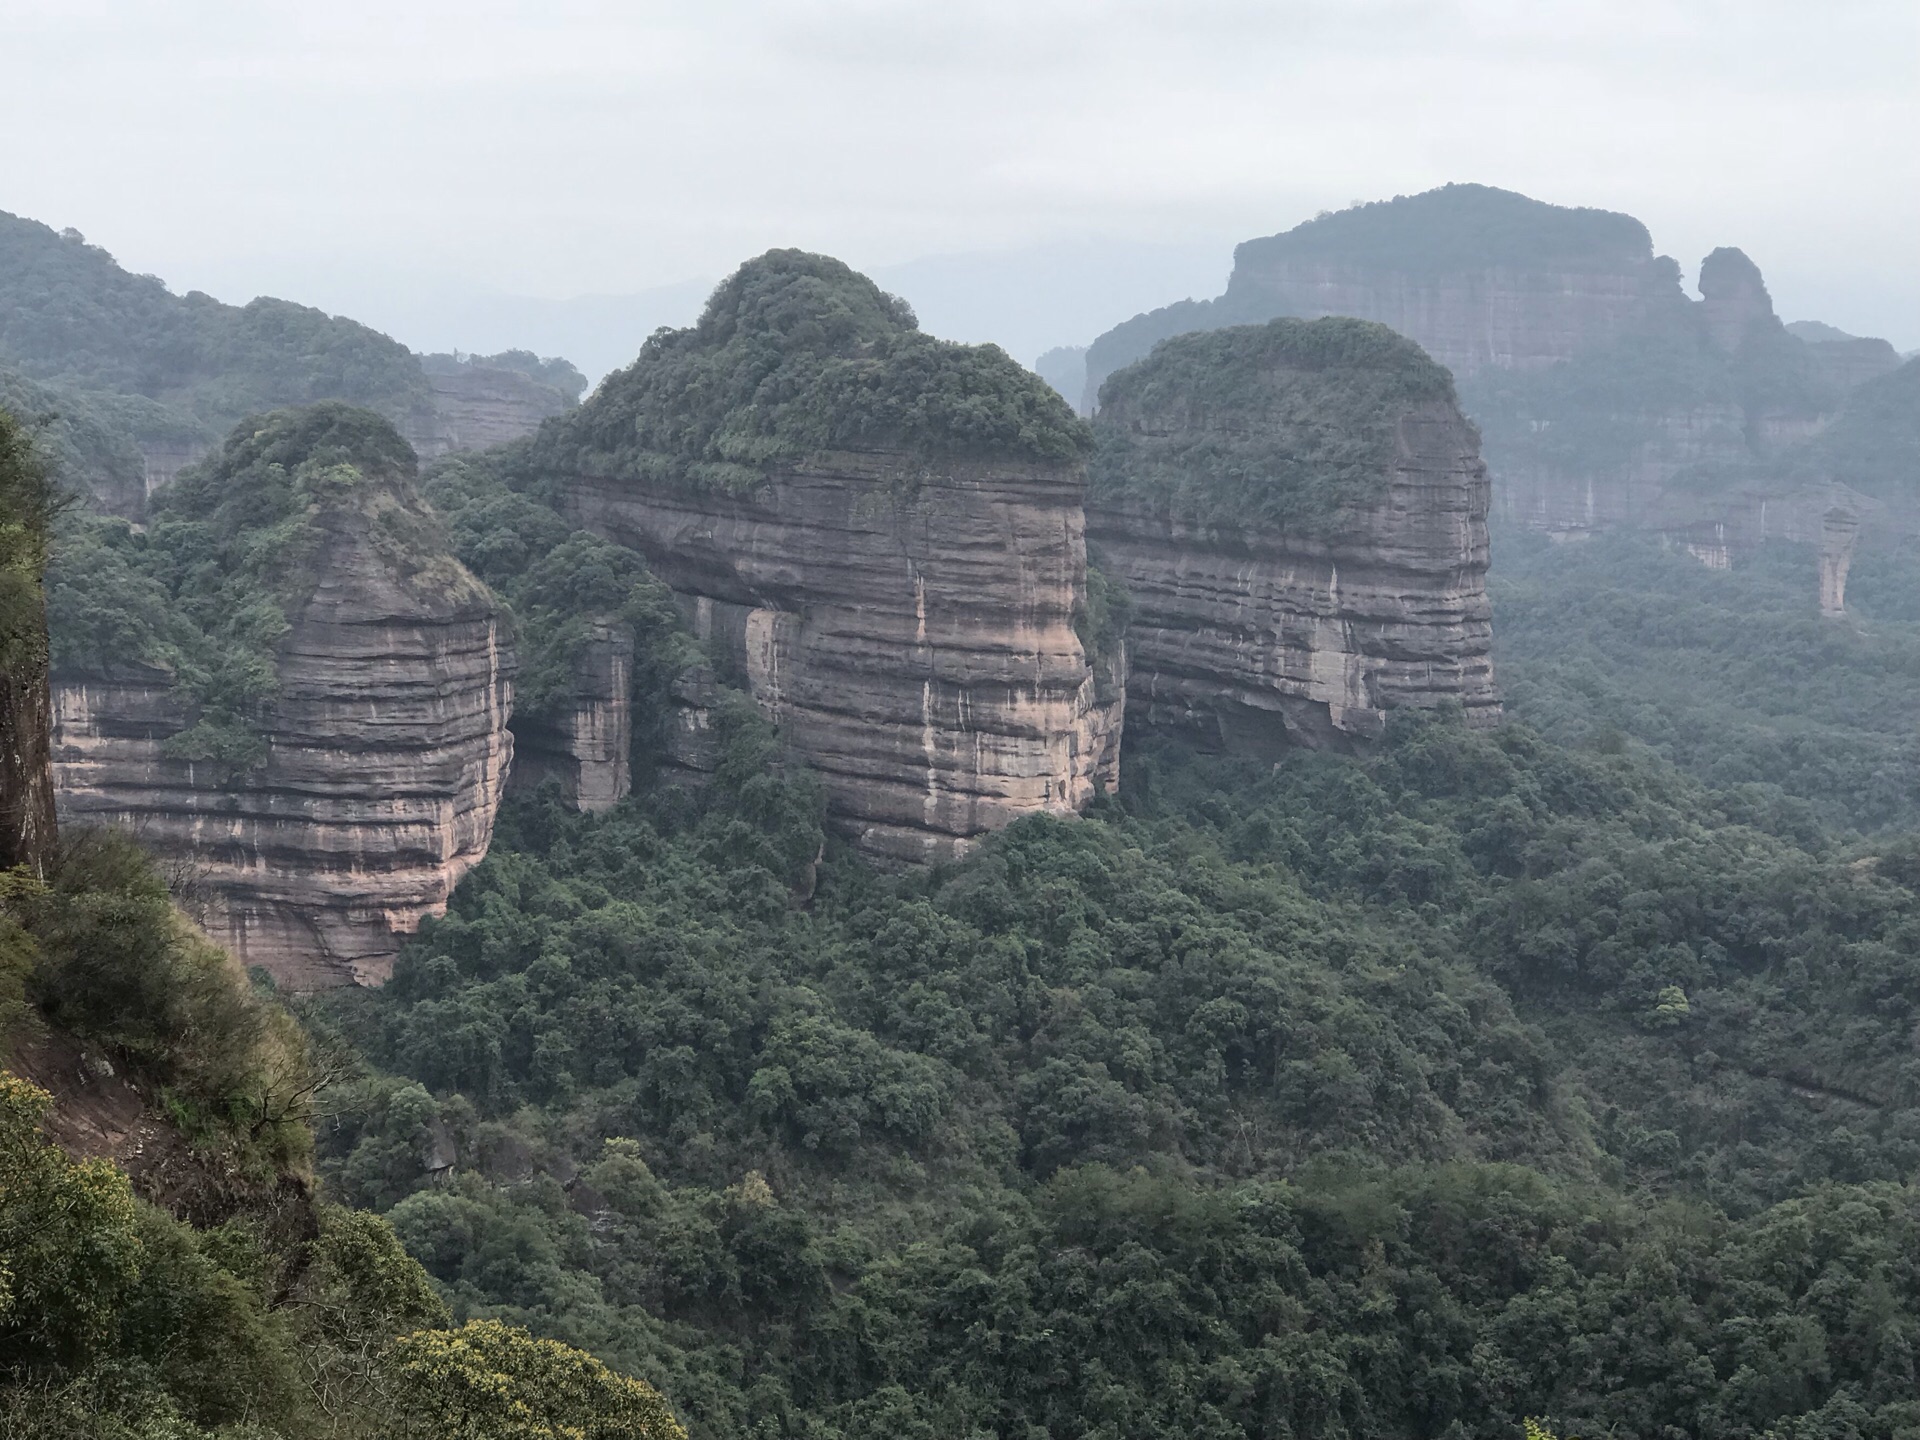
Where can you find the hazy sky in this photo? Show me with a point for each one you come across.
(360, 155)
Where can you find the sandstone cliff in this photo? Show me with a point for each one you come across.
(1480, 278)
(1298, 511)
(480, 402)
(326, 768)
(583, 740)
(880, 534)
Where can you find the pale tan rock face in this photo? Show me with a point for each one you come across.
(1250, 637)
(910, 629)
(479, 408)
(389, 750)
(586, 746)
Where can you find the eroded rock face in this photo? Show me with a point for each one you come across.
(910, 631)
(1479, 278)
(389, 750)
(1252, 632)
(316, 824)
(585, 747)
(1605, 396)
(476, 408)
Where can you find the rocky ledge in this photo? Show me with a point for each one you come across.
(318, 826)
(1298, 512)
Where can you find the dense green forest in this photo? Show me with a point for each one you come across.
(72, 317)
(1491, 1075)
(1560, 1071)
(204, 1291)
(1734, 676)
(1333, 1099)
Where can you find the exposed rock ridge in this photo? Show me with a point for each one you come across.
(1479, 278)
(882, 536)
(911, 632)
(1604, 394)
(476, 408)
(1252, 631)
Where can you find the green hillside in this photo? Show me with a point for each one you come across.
(1489, 1076)
(71, 316)
(1289, 422)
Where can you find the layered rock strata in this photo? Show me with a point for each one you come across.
(383, 749)
(476, 408)
(585, 746)
(1298, 512)
(880, 535)
(911, 633)
(1481, 279)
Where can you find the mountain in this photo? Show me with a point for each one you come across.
(286, 684)
(162, 377)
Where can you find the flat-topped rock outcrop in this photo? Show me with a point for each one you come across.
(1605, 394)
(1298, 513)
(289, 689)
(880, 533)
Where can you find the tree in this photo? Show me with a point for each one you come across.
(488, 1381)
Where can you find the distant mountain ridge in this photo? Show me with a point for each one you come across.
(122, 368)
(1605, 394)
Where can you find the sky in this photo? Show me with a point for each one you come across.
(475, 174)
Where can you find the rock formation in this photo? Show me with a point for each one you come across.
(586, 746)
(323, 820)
(1846, 360)
(476, 406)
(1481, 279)
(1298, 511)
(1604, 395)
(1839, 529)
(880, 533)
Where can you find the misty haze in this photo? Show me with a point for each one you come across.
(860, 720)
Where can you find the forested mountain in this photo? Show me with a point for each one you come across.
(1550, 1072)
(136, 382)
(1485, 1076)
(166, 1267)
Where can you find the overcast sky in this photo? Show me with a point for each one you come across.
(369, 157)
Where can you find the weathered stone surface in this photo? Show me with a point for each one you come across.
(1251, 634)
(909, 628)
(1481, 279)
(389, 749)
(586, 746)
(477, 407)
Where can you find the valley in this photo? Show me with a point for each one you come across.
(1361, 880)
